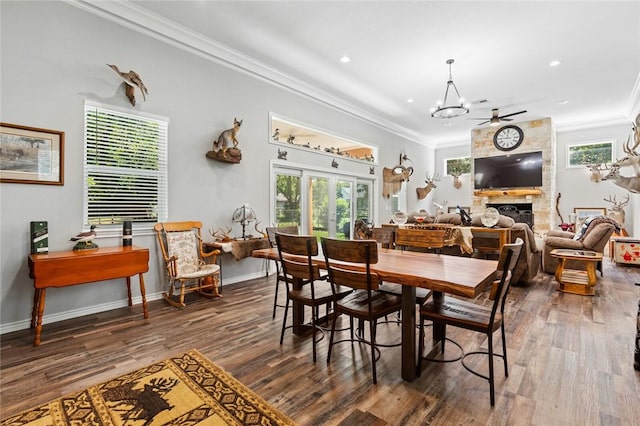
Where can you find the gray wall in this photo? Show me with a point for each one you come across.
(54, 57)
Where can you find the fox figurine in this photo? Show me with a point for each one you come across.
(227, 137)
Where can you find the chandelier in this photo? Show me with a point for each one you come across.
(446, 110)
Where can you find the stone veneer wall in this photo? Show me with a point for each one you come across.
(539, 135)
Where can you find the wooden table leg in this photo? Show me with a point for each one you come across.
(298, 313)
(591, 273)
(439, 328)
(36, 339)
(34, 310)
(144, 297)
(408, 332)
(129, 290)
(559, 269)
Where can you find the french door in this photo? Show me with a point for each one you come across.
(321, 203)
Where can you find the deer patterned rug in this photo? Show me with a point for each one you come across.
(187, 389)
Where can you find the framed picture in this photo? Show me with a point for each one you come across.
(31, 155)
(584, 212)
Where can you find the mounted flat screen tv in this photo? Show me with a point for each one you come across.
(508, 171)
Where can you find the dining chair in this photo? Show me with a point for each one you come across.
(365, 303)
(430, 239)
(424, 238)
(475, 316)
(305, 285)
(271, 235)
(186, 262)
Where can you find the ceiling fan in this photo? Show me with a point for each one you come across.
(496, 119)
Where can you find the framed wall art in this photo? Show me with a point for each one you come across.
(31, 155)
(584, 212)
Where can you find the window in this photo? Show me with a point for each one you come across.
(457, 166)
(125, 168)
(590, 153)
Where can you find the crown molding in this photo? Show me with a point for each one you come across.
(152, 25)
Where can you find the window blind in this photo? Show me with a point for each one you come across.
(125, 171)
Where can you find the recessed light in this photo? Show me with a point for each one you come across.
(410, 100)
(563, 102)
(555, 63)
(345, 59)
(448, 124)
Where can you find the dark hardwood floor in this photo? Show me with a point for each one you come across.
(570, 359)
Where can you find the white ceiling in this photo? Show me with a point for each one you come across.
(398, 50)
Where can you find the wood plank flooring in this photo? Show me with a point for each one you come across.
(570, 359)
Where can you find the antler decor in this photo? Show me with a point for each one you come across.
(616, 211)
(430, 181)
(263, 233)
(222, 235)
(596, 171)
(394, 177)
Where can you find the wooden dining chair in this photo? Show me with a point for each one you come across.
(271, 235)
(431, 239)
(186, 262)
(475, 316)
(366, 303)
(305, 285)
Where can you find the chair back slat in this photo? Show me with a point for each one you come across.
(353, 251)
(424, 238)
(340, 253)
(299, 245)
(300, 270)
(383, 236)
(272, 230)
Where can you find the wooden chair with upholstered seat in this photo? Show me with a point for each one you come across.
(366, 303)
(475, 316)
(305, 285)
(186, 262)
(271, 235)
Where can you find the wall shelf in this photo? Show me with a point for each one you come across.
(519, 192)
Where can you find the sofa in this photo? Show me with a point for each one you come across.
(594, 236)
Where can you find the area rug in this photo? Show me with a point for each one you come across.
(187, 389)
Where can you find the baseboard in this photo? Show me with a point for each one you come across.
(88, 310)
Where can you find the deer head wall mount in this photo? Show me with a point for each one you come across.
(596, 171)
(430, 181)
(616, 211)
(631, 184)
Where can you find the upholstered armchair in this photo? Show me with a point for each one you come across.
(593, 237)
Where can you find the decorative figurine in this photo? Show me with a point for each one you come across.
(84, 239)
(221, 147)
(132, 80)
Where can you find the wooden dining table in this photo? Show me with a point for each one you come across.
(461, 276)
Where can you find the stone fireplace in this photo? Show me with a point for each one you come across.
(519, 212)
(525, 203)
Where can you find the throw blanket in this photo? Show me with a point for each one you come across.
(187, 389)
(243, 248)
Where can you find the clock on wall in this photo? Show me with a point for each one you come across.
(508, 138)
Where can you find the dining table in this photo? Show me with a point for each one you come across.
(440, 273)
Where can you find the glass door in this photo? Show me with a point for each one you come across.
(330, 205)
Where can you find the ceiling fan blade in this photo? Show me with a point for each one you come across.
(513, 113)
(506, 119)
(484, 122)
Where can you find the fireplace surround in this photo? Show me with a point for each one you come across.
(519, 212)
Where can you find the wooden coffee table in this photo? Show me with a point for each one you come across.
(576, 281)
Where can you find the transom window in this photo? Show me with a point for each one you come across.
(457, 166)
(125, 168)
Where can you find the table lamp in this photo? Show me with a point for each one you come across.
(244, 215)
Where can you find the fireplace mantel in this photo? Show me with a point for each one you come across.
(506, 192)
